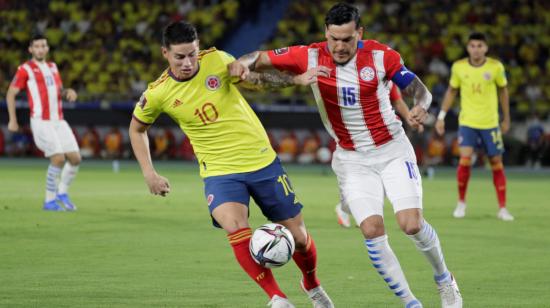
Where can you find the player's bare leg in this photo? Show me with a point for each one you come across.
(54, 170)
(426, 240)
(68, 174)
(499, 180)
(384, 260)
(233, 218)
(305, 258)
(463, 176)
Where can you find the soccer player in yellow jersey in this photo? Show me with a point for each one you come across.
(235, 157)
(479, 79)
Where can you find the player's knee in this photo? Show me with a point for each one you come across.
(57, 160)
(372, 228)
(410, 220)
(411, 227)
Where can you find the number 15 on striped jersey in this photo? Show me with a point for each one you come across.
(348, 96)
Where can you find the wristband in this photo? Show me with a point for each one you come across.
(441, 115)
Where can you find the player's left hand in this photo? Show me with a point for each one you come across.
(310, 76)
(505, 126)
(71, 95)
(237, 69)
(417, 116)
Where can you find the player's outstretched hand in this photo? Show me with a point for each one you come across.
(13, 126)
(158, 185)
(310, 76)
(71, 95)
(238, 69)
(440, 127)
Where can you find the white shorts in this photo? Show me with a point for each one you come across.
(364, 178)
(53, 137)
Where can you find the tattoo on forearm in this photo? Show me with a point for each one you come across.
(250, 59)
(268, 80)
(420, 94)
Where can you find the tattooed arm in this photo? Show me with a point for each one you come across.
(267, 80)
(422, 99)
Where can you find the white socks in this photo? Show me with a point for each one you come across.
(67, 176)
(427, 242)
(386, 264)
(51, 182)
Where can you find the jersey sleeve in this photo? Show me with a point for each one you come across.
(292, 59)
(147, 109)
(395, 94)
(226, 57)
(500, 77)
(454, 82)
(20, 79)
(396, 70)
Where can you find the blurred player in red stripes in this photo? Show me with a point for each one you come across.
(52, 134)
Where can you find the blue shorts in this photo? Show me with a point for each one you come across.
(488, 139)
(269, 187)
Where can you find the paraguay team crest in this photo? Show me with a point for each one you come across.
(213, 82)
(367, 73)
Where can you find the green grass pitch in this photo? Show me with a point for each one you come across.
(127, 248)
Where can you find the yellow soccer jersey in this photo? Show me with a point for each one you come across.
(478, 91)
(225, 133)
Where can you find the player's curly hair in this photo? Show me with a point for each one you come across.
(342, 13)
(178, 32)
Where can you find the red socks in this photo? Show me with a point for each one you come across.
(307, 262)
(239, 241)
(462, 176)
(499, 179)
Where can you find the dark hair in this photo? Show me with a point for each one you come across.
(342, 13)
(178, 32)
(477, 36)
(36, 37)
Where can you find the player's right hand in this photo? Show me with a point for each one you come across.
(158, 185)
(238, 69)
(440, 127)
(13, 126)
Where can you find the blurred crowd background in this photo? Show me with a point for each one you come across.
(109, 51)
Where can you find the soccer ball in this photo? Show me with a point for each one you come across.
(272, 245)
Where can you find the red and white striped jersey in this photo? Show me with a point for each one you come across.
(354, 102)
(43, 85)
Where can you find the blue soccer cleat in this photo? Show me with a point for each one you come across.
(64, 199)
(52, 206)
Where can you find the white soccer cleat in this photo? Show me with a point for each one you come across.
(504, 215)
(343, 217)
(450, 294)
(280, 302)
(460, 210)
(318, 297)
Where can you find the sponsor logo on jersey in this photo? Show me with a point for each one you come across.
(487, 76)
(213, 82)
(367, 73)
(209, 199)
(280, 51)
(176, 103)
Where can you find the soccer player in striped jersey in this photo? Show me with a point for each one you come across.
(482, 84)
(374, 157)
(51, 133)
(236, 160)
(342, 210)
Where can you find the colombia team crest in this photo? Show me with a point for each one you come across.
(213, 82)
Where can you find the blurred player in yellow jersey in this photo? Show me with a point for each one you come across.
(479, 79)
(235, 157)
